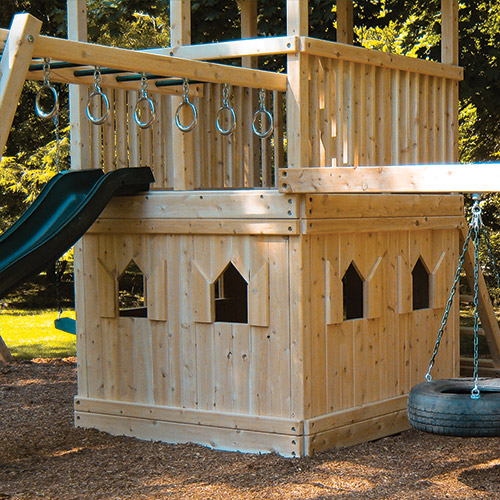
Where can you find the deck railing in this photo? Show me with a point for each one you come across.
(373, 108)
(210, 160)
(358, 107)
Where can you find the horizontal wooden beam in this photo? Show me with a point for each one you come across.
(261, 46)
(334, 50)
(195, 226)
(216, 204)
(440, 178)
(375, 224)
(271, 425)
(88, 54)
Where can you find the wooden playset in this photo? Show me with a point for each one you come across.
(293, 283)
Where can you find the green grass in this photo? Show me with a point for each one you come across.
(31, 334)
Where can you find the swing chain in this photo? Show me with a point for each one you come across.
(453, 290)
(59, 272)
(46, 71)
(58, 141)
(477, 223)
(97, 80)
(225, 94)
(475, 226)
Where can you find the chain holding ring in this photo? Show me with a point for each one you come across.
(262, 113)
(46, 115)
(186, 102)
(232, 115)
(47, 86)
(103, 99)
(144, 98)
(225, 107)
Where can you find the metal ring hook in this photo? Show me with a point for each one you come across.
(98, 120)
(266, 133)
(55, 107)
(232, 123)
(144, 98)
(186, 102)
(194, 121)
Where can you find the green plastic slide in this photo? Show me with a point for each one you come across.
(58, 218)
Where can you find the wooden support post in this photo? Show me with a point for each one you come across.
(78, 94)
(14, 65)
(180, 34)
(449, 31)
(486, 311)
(248, 13)
(297, 87)
(345, 21)
(449, 55)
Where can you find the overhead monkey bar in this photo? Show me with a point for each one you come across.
(64, 72)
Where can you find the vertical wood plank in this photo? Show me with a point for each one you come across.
(345, 24)
(449, 31)
(300, 327)
(121, 128)
(205, 365)
(279, 341)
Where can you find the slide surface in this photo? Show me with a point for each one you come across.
(58, 218)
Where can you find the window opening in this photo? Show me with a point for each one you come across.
(352, 285)
(231, 296)
(131, 296)
(420, 283)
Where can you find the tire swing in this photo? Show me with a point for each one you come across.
(468, 407)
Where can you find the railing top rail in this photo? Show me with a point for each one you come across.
(334, 50)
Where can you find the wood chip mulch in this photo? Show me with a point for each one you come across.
(42, 455)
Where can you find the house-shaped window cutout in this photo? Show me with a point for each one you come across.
(420, 284)
(352, 285)
(231, 296)
(131, 297)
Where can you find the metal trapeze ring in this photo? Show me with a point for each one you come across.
(99, 120)
(55, 108)
(194, 121)
(152, 118)
(232, 126)
(270, 129)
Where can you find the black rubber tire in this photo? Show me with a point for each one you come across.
(445, 407)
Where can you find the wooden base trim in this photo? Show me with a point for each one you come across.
(356, 433)
(246, 433)
(234, 421)
(174, 432)
(345, 417)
